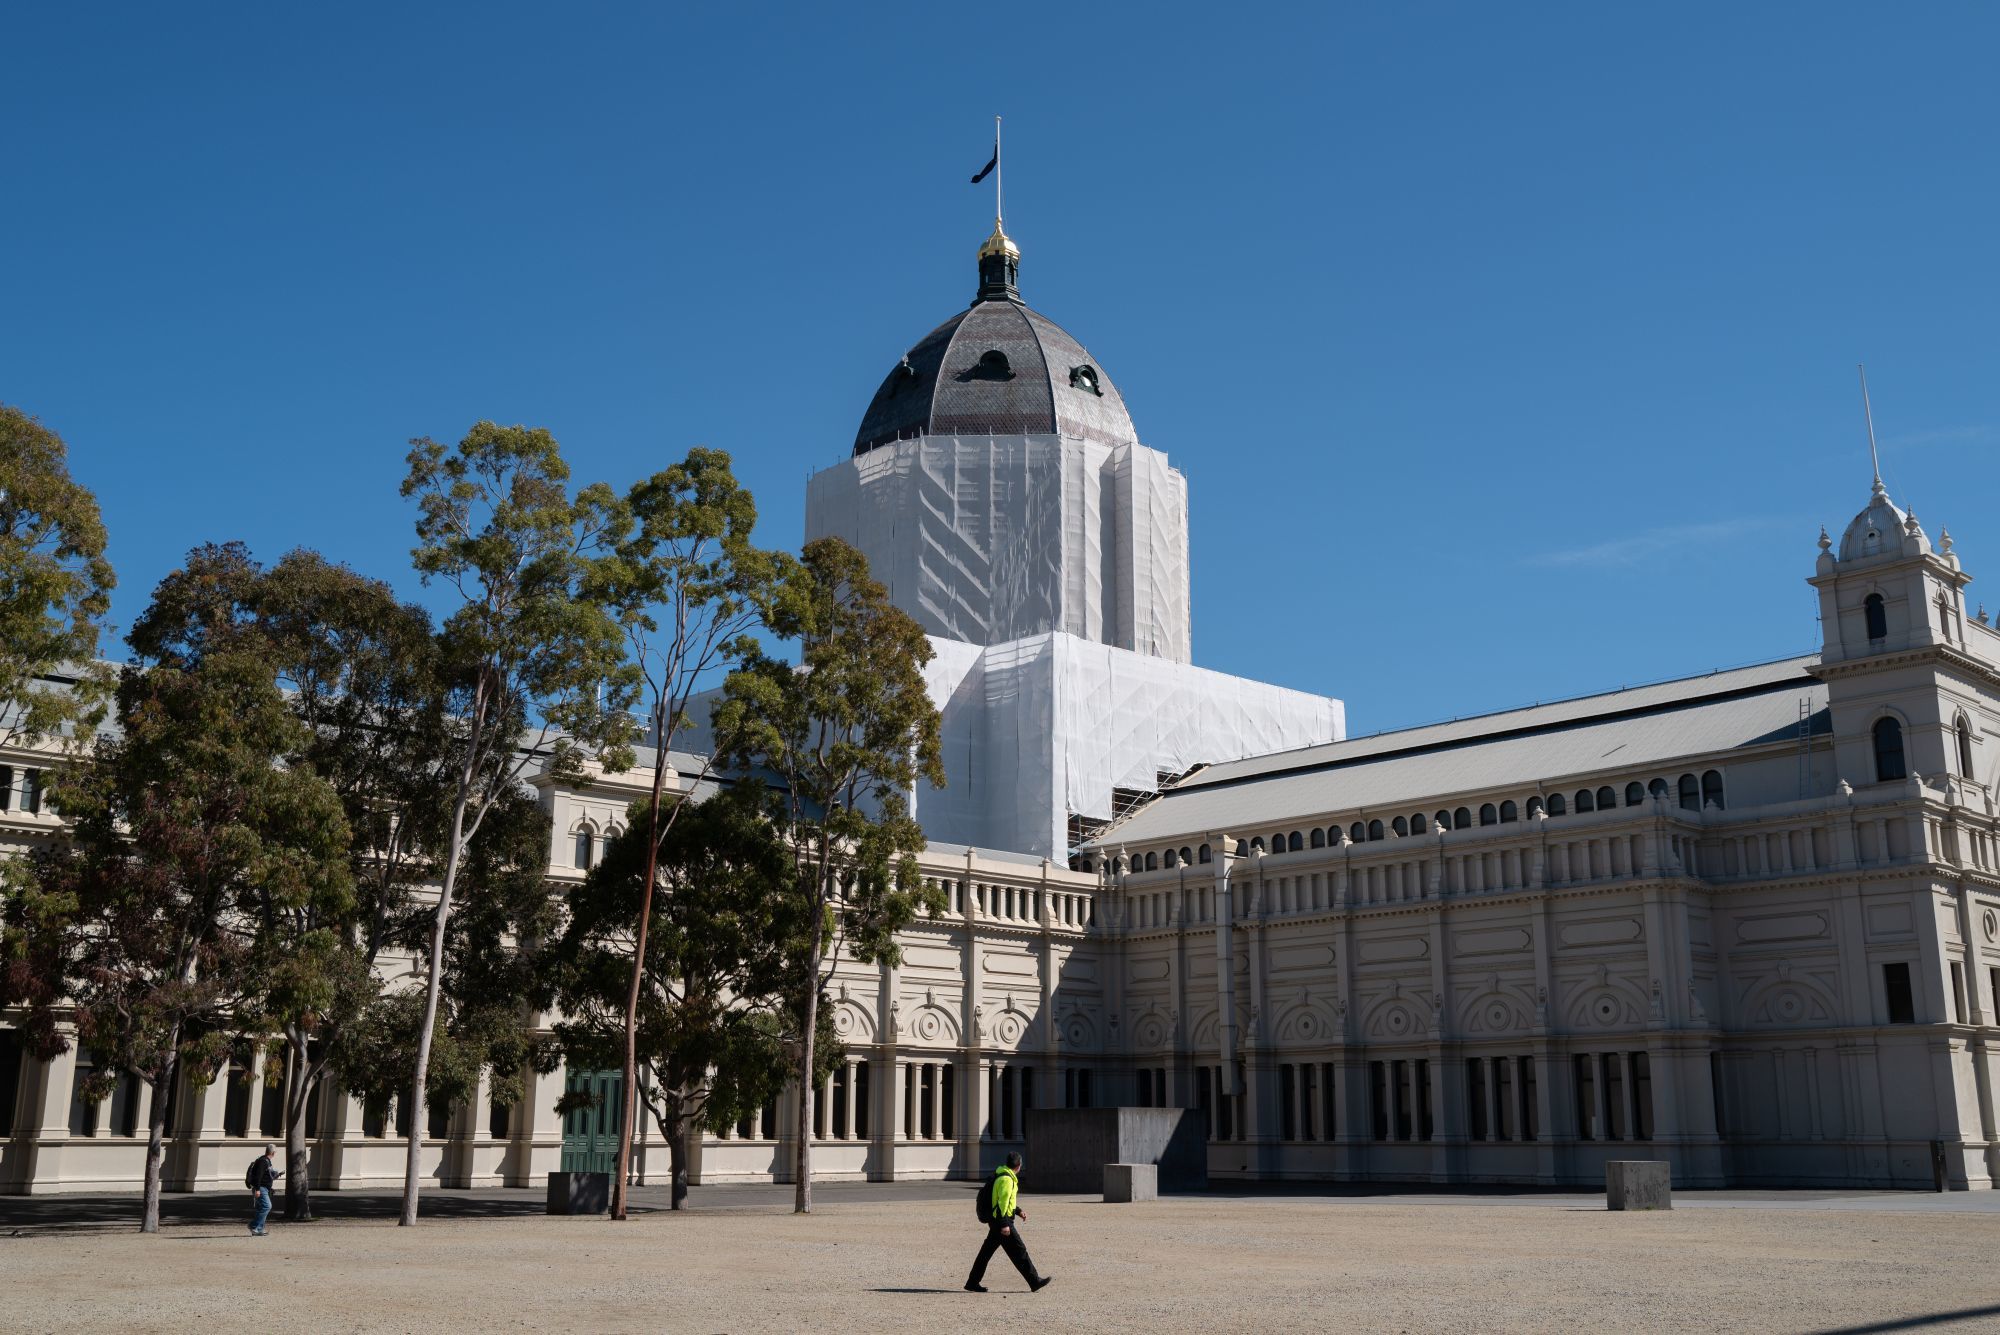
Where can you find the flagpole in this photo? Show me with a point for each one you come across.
(999, 173)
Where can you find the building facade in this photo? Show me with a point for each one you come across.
(1747, 922)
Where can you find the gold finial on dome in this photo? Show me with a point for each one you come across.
(999, 244)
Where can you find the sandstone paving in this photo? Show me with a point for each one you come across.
(1181, 1263)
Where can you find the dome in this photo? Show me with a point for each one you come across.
(997, 369)
(1876, 531)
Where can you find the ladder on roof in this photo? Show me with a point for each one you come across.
(1805, 742)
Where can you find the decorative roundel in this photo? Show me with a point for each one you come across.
(1307, 1026)
(929, 1026)
(843, 1021)
(1008, 1027)
(1788, 1005)
(1397, 1021)
(1605, 1010)
(1499, 1015)
(1152, 1032)
(1992, 924)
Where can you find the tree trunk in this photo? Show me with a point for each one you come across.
(419, 1115)
(802, 1192)
(677, 1156)
(629, 1089)
(299, 1083)
(156, 1149)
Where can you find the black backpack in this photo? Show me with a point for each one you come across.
(985, 1202)
(250, 1173)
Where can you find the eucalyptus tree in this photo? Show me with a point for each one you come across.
(185, 821)
(688, 584)
(358, 670)
(531, 653)
(55, 589)
(714, 1028)
(845, 733)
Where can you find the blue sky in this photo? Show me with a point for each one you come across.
(1508, 350)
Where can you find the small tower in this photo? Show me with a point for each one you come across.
(1900, 673)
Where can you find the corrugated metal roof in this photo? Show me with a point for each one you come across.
(1634, 731)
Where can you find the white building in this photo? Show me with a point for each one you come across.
(1747, 922)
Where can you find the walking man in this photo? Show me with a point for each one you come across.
(263, 1173)
(1000, 1210)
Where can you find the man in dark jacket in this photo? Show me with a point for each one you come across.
(263, 1173)
(1004, 1230)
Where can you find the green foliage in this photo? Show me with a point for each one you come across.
(532, 644)
(188, 829)
(716, 1036)
(55, 588)
(846, 733)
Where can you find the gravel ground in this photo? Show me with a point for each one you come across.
(1180, 1264)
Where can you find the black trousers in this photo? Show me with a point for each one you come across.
(1017, 1252)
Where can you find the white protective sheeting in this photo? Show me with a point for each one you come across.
(987, 539)
(1038, 728)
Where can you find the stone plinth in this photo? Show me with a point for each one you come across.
(579, 1193)
(1637, 1184)
(1131, 1182)
(1068, 1148)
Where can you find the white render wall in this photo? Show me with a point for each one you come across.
(986, 539)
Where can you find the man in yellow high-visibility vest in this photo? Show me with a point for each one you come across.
(1003, 1227)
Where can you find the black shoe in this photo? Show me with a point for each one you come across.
(1036, 1286)
(970, 1287)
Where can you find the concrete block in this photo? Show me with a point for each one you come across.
(1637, 1184)
(1131, 1182)
(1067, 1148)
(579, 1193)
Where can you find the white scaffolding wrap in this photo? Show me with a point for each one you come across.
(986, 539)
(1041, 728)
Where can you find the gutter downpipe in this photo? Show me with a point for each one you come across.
(1225, 965)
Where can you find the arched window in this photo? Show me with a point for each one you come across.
(1204, 855)
(1167, 859)
(1534, 807)
(1877, 616)
(1333, 836)
(1509, 812)
(1558, 805)
(1635, 793)
(1187, 857)
(1488, 814)
(1374, 830)
(1278, 842)
(1711, 788)
(1584, 801)
(1401, 825)
(1318, 839)
(1889, 764)
(1964, 747)
(1658, 788)
(1258, 843)
(586, 847)
(1087, 865)
(1118, 866)
(1152, 862)
(1294, 841)
(1418, 825)
(1442, 820)
(1607, 798)
(1690, 793)
(1357, 832)
(1461, 819)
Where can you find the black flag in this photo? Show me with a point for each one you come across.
(987, 170)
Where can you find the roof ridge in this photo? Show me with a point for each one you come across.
(1024, 311)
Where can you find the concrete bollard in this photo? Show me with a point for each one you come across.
(1637, 1184)
(1131, 1182)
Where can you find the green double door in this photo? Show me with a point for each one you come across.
(590, 1133)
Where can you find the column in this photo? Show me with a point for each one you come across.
(937, 1100)
(1496, 1128)
(847, 1098)
(44, 1126)
(194, 1157)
